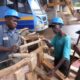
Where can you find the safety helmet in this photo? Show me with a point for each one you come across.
(12, 12)
(57, 20)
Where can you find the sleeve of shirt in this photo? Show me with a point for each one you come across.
(53, 41)
(1, 37)
(67, 48)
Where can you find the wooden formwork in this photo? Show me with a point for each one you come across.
(31, 67)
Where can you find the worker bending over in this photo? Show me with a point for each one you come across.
(9, 37)
(62, 47)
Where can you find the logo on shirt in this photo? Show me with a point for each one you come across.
(5, 38)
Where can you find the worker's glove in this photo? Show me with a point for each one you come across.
(14, 49)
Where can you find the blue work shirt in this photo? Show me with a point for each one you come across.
(8, 38)
(62, 46)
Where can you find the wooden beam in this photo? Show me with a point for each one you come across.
(47, 56)
(20, 55)
(23, 48)
(33, 62)
(50, 66)
(41, 73)
(31, 43)
(60, 75)
(47, 63)
(9, 77)
(14, 67)
(31, 76)
(20, 74)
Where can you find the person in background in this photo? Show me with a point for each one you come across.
(9, 37)
(62, 47)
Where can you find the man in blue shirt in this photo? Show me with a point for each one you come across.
(62, 47)
(9, 37)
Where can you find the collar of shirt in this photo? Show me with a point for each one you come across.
(6, 29)
(9, 31)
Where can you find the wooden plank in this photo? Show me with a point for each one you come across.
(31, 43)
(8, 77)
(33, 62)
(20, 55)
(50, 66)
(14, 67)
(60, 75)
(25, 42)
(31, 76)
(41, 73)
(47, 63)
(47, 56)
(20, 74)
(23, 48)
(40, 55)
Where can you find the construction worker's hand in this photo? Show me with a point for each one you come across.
(14, 49)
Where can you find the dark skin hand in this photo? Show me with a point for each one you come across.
(14, 48)
(52, 72)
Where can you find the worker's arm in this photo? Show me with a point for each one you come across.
(59, 64)
(51, 48)
(48, 43)
(14, 48)
(56, 67)
(4, 49)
